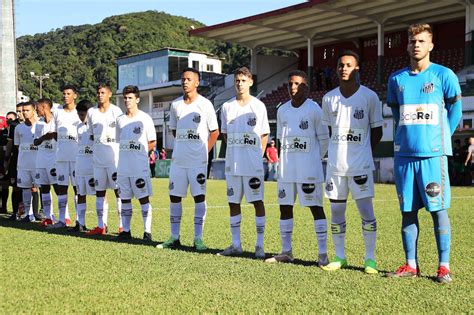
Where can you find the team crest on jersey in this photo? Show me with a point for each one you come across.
(428, 87)
(197, 118)
(252, 121)
(401, 88)
(60, 178)
(230, 191)
(112, 124)
(281, 193)
(96, 182)
(137, 130)
(171, 186)
(37, 176)
(303, 124)
(358, 113)
(329, 186)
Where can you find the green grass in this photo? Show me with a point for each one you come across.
(46, 272)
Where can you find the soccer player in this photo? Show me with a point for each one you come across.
(354, 116)
(84, 165)
(245, 128)
(46, 156)
(194, 125)
(426, 103)
(102, 120)
(24, 137)
(304, 141)
(136, 135)
(11, 159)
(66, 121)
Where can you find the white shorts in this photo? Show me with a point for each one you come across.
(310, 194)
(181, 177)
(65, 171)
(46, 176)
(85, 185)
(251, 186)
(25, 178)
(338, 187)
(105, 178)
(138, 187)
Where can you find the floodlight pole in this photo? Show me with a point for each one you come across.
(40, 78)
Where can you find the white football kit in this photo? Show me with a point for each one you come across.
(134, 134)
(46, 155)
(244, 125)
(303, 138)
(193, 124)
(350, 163)
(102, 126)
(24, 137)
(85, 182)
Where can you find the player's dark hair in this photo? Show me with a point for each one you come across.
(196, 72)
(243, 71)
(104, 85)
(69, 87)
(298, 73)
(46, 101)
(30, 103)
(20, 104)
(12, 113)
(348, 52)
(83, 105)
(131, 89)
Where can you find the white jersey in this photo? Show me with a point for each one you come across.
(84, 158)
(66, 127)
(133, 134)
(24, 137)
(193, 123)
(350, 119)
(46, 155)
(301, 133)
(244, 125)
(102, 127)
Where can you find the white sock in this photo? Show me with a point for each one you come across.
(260, 226)
(199, 218)
(338, 228)
(27, 199)
(369, 226)
(119, 211)
(176, 211)
(126, 216)
(81, 213)
(321, 229)
(99, 206)
(47, 205)
(147, 215)
(444, 264)
(412, 263)
(286, 232)
(235, 229)
(105, 212)
(62, 206)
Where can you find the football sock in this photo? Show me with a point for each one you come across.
(147, 216)
(126, 216)
(100, 209)
(27, 197)
(260, 226)
(442, 231)
(47, 207)
(62, 206)
(119, 211)
(81, 213)
(105, 213)
(338, 228)
(176, 211)
(5, 193)
(410, 232)
(199, 217)
(369, 226)
(286, 232)
(16, 199)
(321, 230)
(235, 229)
(35, 202)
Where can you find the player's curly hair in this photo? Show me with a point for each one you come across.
(131, 89)
(418, 28)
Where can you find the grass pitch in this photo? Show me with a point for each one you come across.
(56, 272)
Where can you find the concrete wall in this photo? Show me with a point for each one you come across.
(8, 83)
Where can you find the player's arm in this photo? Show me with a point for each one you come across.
(468, 158)
(267, 155)
(322, 132)
(375, 136)
(223, 124)
(211, 141)
(452, 99)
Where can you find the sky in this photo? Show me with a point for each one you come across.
(40, 16)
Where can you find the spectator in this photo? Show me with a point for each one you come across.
(469, 163)
(163, 154)
(272, 158)
(151, 160)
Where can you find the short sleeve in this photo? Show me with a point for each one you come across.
(150, 129)
(265, 127)
(326, 118)
(173, 117)
(211, 118)
(224, 119)
(279, 127)
(375, 111)
(322, 130)
(392, 100)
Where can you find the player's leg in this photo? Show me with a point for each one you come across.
(25, 182)
(141, 187)
(84, 186)
(254, 192)
(234, 197)
(100, 184)
(197, 186)
(126, 194)
(62, 169)
(46, 196)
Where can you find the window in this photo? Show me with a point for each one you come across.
(210, 68)
(176, 66)
(196, 65)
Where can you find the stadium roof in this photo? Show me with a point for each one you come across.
(329, 21)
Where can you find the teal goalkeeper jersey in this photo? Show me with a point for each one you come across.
(422, 104)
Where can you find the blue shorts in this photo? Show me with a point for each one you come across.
(422, 182)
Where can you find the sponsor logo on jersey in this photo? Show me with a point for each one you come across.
(303, 124)
(85, 150)
(64, 135)
(187, 135)
(201, 178)
(348, 136)
(428, 87)
(360, 180)
(28, 147)
(230, 191)
(53, 172)
(296, 144)
(433, 189)
(252, 121)
(130, 145)
(329, 186)
(308, 188)
(171, 186)
(105, 140)
(358, 113)
(137, 130)
(255, 183)
(46, 146)
(281, 193)
(140, 183)
(197, 118)
(421, 114)
(114, 176)
(241, 140)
